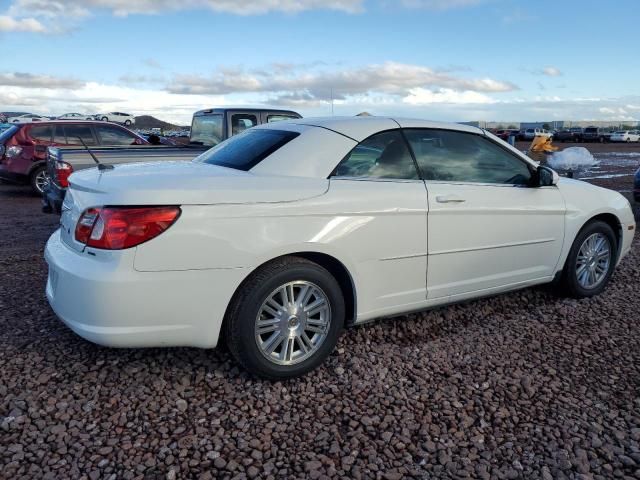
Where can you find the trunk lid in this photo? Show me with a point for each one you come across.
(176, 183)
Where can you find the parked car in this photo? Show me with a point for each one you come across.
(74, 116)
(3, 118)
(27, 118)
(210, 127)
(289, 231)
(117, 117)
(531, 133)
(625, 136)
(636, 186)
(569, 135)
(23, 147)
(595, 134)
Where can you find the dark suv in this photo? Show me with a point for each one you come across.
(23, 147)
(595, 134)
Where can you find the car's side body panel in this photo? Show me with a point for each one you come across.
(387, 273)
(496, 235)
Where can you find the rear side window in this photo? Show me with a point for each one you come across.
(383, 155)
(110, 135)
(245, 151)
(41, 133)
(74, 132)
(58, 135)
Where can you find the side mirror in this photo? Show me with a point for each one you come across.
(547, 177)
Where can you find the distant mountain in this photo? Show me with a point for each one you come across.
(13, 114)
(147, 121)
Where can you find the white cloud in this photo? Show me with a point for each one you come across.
(551, 71)
(82, 8)
(320, 84)
(440, 4)
(28, 80)
(10, 24)
(422, 96)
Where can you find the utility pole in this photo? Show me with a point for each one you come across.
(332, 101)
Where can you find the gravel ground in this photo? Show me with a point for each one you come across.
(524, 385)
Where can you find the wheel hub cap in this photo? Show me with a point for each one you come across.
(593, 261)
(293, 322)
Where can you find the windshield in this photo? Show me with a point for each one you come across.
(246, 150)
(7, 134)
(207, 129)
(590, 130)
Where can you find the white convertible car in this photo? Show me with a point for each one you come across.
(278, 237)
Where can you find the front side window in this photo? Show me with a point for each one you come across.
(245, 151)
(109, 135)
(451, 156)
(77, 132)
(207, 129)
(41, 133)
(383, 155)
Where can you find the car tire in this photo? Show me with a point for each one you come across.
(287, 347)
(37, 180)
(104, 119)
(127, 123)
(579, 261)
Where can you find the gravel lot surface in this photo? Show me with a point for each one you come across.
(525, 385)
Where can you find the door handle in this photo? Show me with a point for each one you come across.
(449, 199)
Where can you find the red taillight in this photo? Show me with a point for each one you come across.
(63, 171)
(115, 228)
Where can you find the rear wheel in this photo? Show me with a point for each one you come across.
(104, 119)
(127, 123)
(285, 320)
(591, 261)
(38, 180)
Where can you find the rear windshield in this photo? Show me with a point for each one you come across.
(246, 150)
(590, 130)
(8, 133)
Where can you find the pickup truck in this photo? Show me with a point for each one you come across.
(63, 161)
(208, 128)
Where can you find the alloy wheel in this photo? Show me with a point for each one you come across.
(592, 263)
(293, 322)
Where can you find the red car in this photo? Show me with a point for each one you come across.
(23, 147)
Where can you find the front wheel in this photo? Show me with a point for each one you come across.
(104, 119)
(127, 123)
(285, 319)
(591, 261)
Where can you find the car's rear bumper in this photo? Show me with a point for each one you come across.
(105, 300)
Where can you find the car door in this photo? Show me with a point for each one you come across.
(381, 219)
(487, 228)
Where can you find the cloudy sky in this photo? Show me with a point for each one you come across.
(438, 59)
